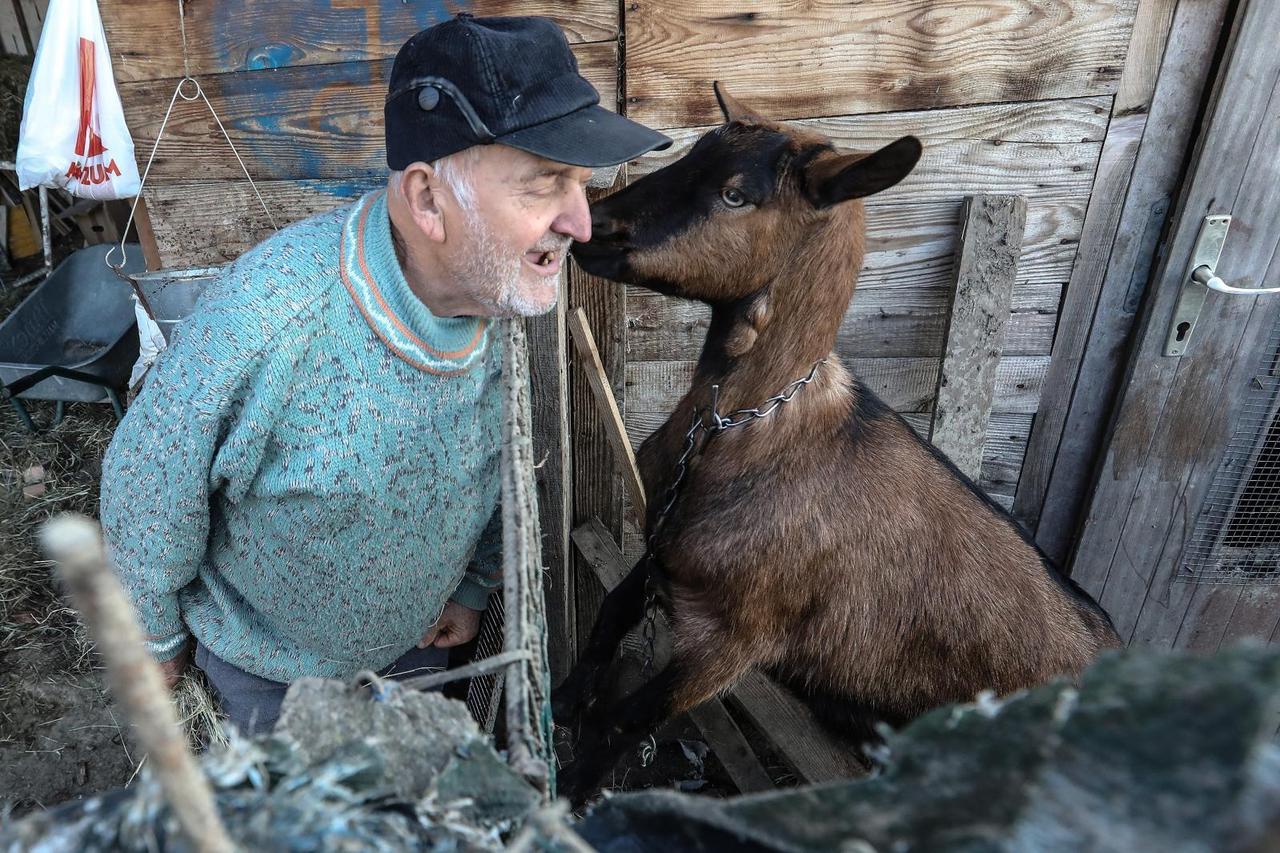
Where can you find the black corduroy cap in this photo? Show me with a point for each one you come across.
(476, 81)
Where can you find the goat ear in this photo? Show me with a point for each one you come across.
(733, 109)
(831, 180)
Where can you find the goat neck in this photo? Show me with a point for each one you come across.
(757, 346)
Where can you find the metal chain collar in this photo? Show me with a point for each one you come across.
(718, 424)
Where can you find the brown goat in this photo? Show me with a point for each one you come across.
(826, 543)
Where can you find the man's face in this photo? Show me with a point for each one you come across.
(508, 244)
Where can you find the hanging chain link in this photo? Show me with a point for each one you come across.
(718, 424)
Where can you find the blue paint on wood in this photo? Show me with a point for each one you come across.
(293, 122)
(346, 190)
(274, 55)
(250, 34)
(282, 105)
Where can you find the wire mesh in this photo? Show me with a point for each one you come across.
(484, 693)
(1237, 535)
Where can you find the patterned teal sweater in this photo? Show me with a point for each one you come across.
(311, 469)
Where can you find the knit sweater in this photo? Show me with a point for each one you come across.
(306, 476)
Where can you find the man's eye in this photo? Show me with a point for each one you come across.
(733, 197)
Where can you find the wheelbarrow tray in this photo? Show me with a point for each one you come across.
(81, 318)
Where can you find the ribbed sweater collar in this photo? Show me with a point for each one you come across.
(373, 277)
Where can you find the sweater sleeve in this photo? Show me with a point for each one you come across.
(199, 425)
(484, 572)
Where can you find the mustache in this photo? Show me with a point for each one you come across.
(555, 243)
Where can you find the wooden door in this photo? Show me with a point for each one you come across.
(1182, 540)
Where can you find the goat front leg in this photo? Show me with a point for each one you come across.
(621, 609)
(608, 733)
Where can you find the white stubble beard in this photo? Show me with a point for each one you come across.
(492, 273)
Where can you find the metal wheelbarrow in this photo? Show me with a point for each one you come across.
(74, 338)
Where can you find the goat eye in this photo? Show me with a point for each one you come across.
(732, 197)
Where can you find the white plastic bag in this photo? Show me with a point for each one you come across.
(150, 342)
(73, 131)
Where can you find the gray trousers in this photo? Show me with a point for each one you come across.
(253, 703)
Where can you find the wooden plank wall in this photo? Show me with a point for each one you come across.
(21, 22)
(1174, 49)
(299, 87)
(1011, 99)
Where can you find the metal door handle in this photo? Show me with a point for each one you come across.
(1204, 274)
(1204, 261)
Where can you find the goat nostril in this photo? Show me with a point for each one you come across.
(603, 226)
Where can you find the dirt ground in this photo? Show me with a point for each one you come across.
(60, 736)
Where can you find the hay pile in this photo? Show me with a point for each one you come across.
(41, 475)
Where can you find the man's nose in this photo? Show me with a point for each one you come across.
(575, 220)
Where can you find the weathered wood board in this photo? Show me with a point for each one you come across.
(1042, 150)
(986, 266)
(251, 35)
(548, 403)
(829, 57)
(1160, 460)
(596, 471)
(906, 384)
(1118, 242)
(606, 405)
(13, 38)
(304, 122)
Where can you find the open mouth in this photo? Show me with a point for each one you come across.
(546, 263)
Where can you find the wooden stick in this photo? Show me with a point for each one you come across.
(146, 235)
(585, 343)
(135, 680)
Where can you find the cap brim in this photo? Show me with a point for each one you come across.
(591, 136)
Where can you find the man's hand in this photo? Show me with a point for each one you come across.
(457, 625)
(173, 668)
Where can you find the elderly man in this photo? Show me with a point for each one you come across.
(307, 483)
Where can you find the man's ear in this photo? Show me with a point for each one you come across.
(831, 180)
(733, 109)
(421, 190)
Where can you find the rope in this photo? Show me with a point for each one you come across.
(182, 25)
(529, 743)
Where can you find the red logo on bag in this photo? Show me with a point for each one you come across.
(88, 142)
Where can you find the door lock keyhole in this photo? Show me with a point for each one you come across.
(1183, 328)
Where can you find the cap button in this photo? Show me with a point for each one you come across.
(465, 16)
